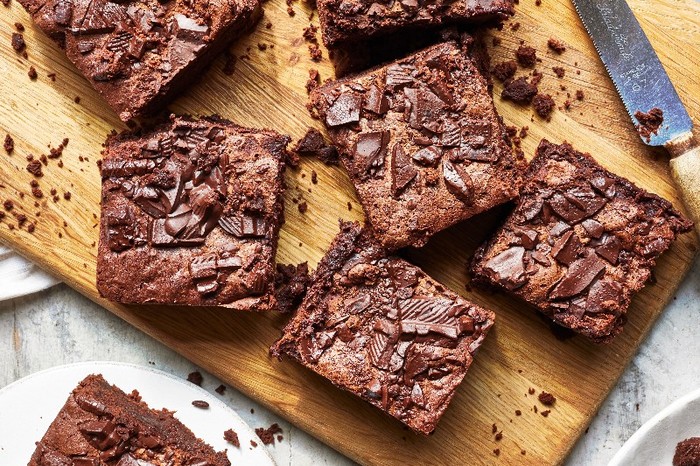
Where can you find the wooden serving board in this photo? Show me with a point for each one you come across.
(267, 90)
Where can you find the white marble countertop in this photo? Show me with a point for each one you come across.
(57, 327)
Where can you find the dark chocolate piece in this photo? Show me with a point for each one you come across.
(594, 240)
(379, 327)
(139, 54)
(191, 212)
(100, 424)
(422, 142)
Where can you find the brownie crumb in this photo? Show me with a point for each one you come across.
(313, 81)
(200, 404)
(220, 389)
(67, 195)
(494, 428)
(518, 412)
(526, 56)
(37, 192)
(315, 52)
(268, 435)
(303, 207)
(19, 27)
(649, 122)
(291, 282)
(31, 227)
(519, 90)
(579, 95)
(314, 177)
(313, 144)
(499, 436)
(538, 2)
(523, 135)
(195, 377)
(76, 99)
(505, 70)
(18, 42)
(497, 451)
(546, 399)
(531, 391)
(543, 104)
(253, 443)
(523, 452)
(34, 167)
(280, 438)
(349, 205)
(232, 437)
(310, 33)
(268, 25)
(556, 45)
(32, 73)
(536, 77)
(545, 413)
(559, 71)
(9, 144)
(230, 64)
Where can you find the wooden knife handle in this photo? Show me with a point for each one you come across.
(685, 168)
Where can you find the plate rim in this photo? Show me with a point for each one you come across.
(640, 433)
(221, 404)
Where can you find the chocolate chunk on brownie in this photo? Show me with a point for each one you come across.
(422, 142)
(139, 54)
(100, 424)
(580, 242)
(191, 213)
(345, 21)
(687, 452)
(379, 327)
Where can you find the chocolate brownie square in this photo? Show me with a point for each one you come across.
(139, 54)
(380, 328)
(99, 425)
(422, 142)
(346, 21)
(191, 213)
(580, 242)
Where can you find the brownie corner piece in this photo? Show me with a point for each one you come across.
(139, 54)
(422, 142)
(580, 242)
(191, 212)
(380, 328)
(344, 22)
(100, 424)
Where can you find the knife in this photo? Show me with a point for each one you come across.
(643, 85)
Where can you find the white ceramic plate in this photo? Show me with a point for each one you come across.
(28, 406)
(655, 442)
(19, 277)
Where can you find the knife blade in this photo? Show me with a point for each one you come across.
(634, 67)
(643, 85)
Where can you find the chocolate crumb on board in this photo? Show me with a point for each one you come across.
(76, 99)
(546, 399)
(253, 443)
(303, 207)
(310, 33)
(268, 435)
(314, 177)
(494, 428)
(559, 71)
(67, 195)
(232, 437)
(19, 27)
(230, 64)
(290, 12)
(32, 73)
(649, 122)
(505, 70)
(579, 95)
(518, 412)
(280, 438)
(315, 52)
(519, 90)
(18, 42)
(195, 377)
(556, 45)
(526, 56)
(545, 413)
(499, 436)
(523, 135)
(31, 227)
(200, 404)
(291, 282)
(313, 144)
(220, 389)
(497, 451)
(531, 391)
(538, 2)
(34, 167)
(543, 104)
(9, 144)
(523, 452)
(349, 205)
(314, 80)
(52, 77)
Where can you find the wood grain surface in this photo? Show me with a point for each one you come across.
(267, 90)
